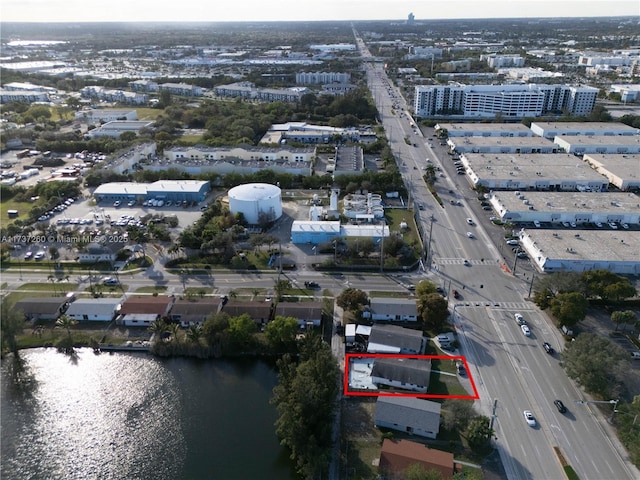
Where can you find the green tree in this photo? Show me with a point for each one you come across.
(607, 285)
(281, 333)
(626, 317)
(352, 299)
(66, 323)
(456, 414)
(305, 398)
(11, 323)
(478, 433)
(434, 310)
(569, 308)
(241, 330)
(425, 287)
(597, 364)
(194, 333)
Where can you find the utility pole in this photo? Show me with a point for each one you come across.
(610, 402)
(428, 256)
(533, 277)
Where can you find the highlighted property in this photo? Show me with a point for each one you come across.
(395, 375)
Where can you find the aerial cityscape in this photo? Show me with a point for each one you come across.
(242, 244)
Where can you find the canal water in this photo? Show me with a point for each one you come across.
(134, 416)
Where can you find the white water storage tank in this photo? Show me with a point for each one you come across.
(258, 202)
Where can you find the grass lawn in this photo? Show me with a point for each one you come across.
(191, 139)
(197, 291)
(443, 384)
(23, 210)
(149, 113)
(152, 289)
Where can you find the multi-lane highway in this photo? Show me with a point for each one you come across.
(513, 371)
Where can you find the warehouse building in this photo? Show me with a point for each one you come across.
(583, 144)
(617, 251)
(484, 129)
(531, 144)
(173, 190)
(557, 207)
(552, 130)
(622, 170)
(532, 172)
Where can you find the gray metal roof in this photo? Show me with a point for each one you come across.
(408, 411)
(406, 370)
(393, 306)
(396, 336)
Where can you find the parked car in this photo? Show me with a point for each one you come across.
(529, 418)
(28, 255)
(311, 285)
(109, 281)
(39, 256)
(548, 348)
(131, 203)
(116, 203)
(536, 223)
(526, 330)
(460, 368)
(560, 406)
(456, 294)
(599, 224)
(513, 241)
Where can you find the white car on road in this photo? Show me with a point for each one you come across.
(470, 235)
(526, 330)
(530, 419)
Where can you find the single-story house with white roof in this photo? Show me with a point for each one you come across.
(94, 309)
(392, 310)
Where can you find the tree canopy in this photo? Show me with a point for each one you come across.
(597, 364)
(305, 398)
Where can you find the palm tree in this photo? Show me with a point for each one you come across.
(66, 322)
(255, 292)
(158, 326)
(194, 333)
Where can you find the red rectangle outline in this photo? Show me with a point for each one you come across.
(348, 356)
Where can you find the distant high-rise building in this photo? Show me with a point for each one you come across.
(510, 101)
(411, 19)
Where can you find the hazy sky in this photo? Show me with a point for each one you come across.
(274, 10)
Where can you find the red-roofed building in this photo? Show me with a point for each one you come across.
(398, 455)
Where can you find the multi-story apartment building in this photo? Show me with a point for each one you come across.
(503, 61)
(509, 101)
(183, 89)
(318, 78)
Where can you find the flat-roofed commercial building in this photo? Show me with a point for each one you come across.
(559, 207)
(532, 172)
(617, 251)
(485, 129)
(530, 144)
(622, 170)
(551, 130)
(583, 144)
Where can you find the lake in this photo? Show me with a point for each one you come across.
(135, 416)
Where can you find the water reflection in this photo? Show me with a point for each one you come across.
(115, 416)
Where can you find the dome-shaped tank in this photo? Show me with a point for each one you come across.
(258, 202)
